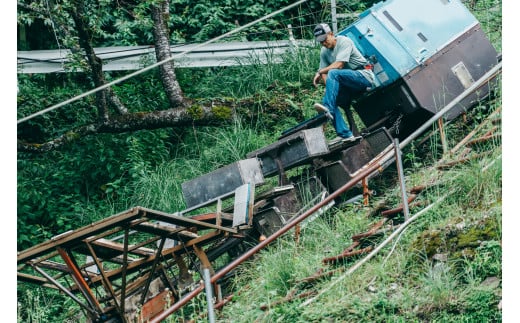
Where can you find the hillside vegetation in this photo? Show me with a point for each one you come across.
(445, 266)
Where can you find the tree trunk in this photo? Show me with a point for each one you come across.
(214, 113)
(94, 61)
(95, 64)
(160, 14)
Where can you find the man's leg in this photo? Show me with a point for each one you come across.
(343, 101)
(353, 81)
(329, 101)
(351, 84)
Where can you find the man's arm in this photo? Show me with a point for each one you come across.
(321, 74)
(333, 66)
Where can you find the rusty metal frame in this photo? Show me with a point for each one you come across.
(79, 279)
(124, 268)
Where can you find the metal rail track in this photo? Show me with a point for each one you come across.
(144, 258)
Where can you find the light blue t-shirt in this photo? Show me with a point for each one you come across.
(345, 51)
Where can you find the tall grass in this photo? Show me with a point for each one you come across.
(253, 75)
(401, 284)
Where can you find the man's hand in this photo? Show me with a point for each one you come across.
(317, 79)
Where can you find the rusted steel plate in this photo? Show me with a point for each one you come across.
(291, 151)
(222, 181)
(155, 305)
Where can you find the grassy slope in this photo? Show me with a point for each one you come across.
(445, 267)
(402, 283)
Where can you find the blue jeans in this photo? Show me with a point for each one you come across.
(351, 83)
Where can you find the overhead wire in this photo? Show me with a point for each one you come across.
(147, 68)
(29, 60)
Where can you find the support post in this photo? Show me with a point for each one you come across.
(334, 16)
(400, 172)
(209, 294)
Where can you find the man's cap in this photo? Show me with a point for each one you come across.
(321, 31)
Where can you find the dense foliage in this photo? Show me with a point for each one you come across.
(120, 23)
(56, 189)
(101, 175)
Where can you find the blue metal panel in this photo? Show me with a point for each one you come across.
(372, 38)
(424, 26)
(428, 52)
(402, 34)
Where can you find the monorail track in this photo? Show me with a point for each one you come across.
(145, 259)
(357, 247)
(144, 265)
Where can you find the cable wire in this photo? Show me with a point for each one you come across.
(145, 69)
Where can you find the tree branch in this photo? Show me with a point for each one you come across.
(197, 115)
(95, 63)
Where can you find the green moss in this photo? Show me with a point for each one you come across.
(430, 242)
(195, 111)
(457, 242)
(476, 234)
(222, 112)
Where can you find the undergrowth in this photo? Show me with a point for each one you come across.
(445, 267)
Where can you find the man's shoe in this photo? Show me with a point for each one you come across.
(351, 138)
(346, 140)
(323, 109)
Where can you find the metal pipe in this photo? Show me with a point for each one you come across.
(400, 173)
(209, 294)
(358, 177)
